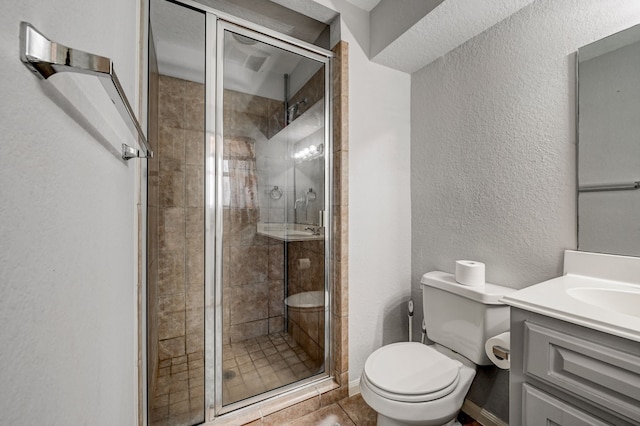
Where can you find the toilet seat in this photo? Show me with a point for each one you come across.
(411, 372)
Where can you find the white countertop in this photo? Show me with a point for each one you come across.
(564, 297)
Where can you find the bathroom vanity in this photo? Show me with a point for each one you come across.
(566, 374)
(575, 345)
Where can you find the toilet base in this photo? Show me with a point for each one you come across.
(386, 421)
(439, 412)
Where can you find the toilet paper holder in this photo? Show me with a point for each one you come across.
(501, 353)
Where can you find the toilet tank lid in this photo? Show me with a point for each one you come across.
(489, 294)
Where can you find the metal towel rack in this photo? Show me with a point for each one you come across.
(610, 187)
(45, 58)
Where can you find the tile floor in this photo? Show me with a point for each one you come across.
(264, 363)
(352, 411)
(250, 367)
(179, 396)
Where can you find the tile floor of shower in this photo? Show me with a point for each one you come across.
(257, 365)
(250, 367)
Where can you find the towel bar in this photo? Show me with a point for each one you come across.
(610, 187)
(45, 58)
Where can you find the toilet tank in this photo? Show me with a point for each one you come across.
(462, 317)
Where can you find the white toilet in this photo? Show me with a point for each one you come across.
(410, 383)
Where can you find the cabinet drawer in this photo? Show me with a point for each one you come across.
(541, 409)
(595, 372)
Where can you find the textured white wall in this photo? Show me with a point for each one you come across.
(379, 207)
(493, 143)
(67, 226)
(379, 196)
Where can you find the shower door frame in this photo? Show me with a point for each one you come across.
(216, 24)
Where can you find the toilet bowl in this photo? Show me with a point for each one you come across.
(411, 383)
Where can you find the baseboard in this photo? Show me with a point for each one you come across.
(354, 387)
(482, 416)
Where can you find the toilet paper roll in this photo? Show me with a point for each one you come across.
(502, 342)
(304, 264)
(470, 272)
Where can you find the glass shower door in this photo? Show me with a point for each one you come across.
(270, 180)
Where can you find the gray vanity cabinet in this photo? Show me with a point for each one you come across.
(567, 375)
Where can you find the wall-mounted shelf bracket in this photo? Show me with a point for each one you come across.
(45, 58)
(129, 152)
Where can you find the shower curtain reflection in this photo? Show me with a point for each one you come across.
(240, 176)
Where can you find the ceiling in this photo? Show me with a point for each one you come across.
(367, 5)
(434, 33)
(407, 36)
(249, 66)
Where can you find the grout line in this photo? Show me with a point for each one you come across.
(345, 411)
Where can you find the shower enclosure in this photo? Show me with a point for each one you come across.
(239, 247)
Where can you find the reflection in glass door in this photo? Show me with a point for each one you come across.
(176, 209)
(238, 192)
(270, 180)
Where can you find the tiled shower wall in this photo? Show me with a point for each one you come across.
(181, 218)
(254, 265)
(306, 325)
(176, 255)
(169, 247)
(291, 406)
(340, 252)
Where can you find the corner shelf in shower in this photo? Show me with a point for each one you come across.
(287, 232)
(311, 121)
(46, 58)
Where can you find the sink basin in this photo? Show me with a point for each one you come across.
(624, 301)
(296, 233)
(288, 232)
(597, 291)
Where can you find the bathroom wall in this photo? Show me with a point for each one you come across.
(68, 225)
(493, 151)
(379, 203)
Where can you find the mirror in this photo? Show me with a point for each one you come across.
(609, 144)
